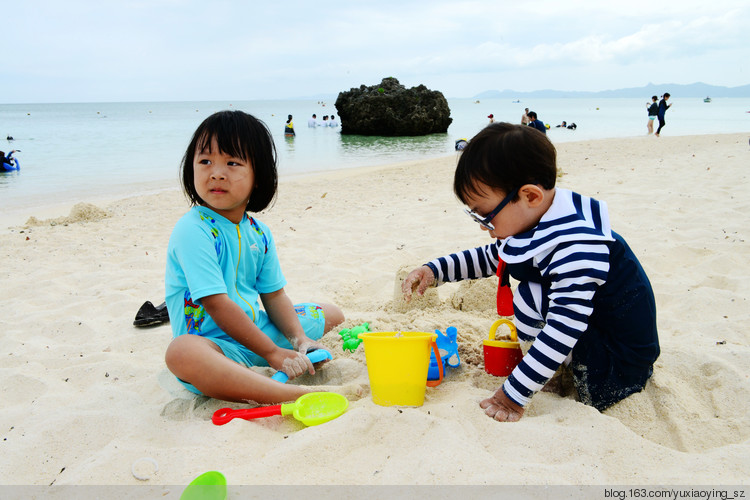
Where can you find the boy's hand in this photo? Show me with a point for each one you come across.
(419, 279)
(501, 408)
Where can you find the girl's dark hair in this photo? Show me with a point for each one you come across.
(505, 156)
(243, 136)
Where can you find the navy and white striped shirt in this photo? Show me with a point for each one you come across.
(568, 254)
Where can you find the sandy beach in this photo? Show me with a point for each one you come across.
(86, 395)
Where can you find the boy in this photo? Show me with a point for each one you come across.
(583, 298)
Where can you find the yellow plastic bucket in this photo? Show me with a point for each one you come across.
(397, 365)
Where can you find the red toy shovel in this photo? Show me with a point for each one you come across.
(311, 409)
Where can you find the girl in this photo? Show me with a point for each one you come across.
(220, 261)
(653, 111)
(289, 127)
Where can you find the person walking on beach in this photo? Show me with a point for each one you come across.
(525, 120)
(583, 299)
(221, 263)
(289, 127)
(653, 112)
(663, 107)
(536, 123)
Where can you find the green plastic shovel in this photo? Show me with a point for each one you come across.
(210, 485)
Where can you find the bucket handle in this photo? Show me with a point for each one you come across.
(503, 321)
(435, 383)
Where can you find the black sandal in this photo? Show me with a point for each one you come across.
(150, 315)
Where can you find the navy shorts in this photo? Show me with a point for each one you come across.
(601, 378)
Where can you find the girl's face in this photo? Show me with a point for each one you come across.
(223, 182)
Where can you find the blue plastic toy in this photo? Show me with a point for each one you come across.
(448, 347)
(350, 336)
(314, 356)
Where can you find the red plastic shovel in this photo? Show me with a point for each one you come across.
(311, 409)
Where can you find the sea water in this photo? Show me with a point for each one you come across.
(82, 152)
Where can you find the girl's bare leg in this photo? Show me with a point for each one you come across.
(199, 361)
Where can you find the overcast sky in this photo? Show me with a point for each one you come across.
(154, 50)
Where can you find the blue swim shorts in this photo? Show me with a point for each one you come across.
(310, 316)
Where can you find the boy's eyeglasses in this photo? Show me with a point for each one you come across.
(485, 222)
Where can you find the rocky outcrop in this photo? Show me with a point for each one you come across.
(390, 109)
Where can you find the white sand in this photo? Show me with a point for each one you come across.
(85, 394)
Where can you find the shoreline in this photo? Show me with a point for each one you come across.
(17, 217)
(73, 360)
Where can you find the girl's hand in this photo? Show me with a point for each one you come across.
(501, 408)
(307, 344)
(419, 279)
(292, 363)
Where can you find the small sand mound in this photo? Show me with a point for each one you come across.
(81, 212)
(476, 295)
(428, 300)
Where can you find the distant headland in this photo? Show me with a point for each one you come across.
(698, 89)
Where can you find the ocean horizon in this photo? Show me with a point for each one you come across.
(78, 152)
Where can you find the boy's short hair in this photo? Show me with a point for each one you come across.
(241, 135)
(532, 114)
(505, 156)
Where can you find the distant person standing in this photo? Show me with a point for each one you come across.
(525, 120)
(653, 112)
(333, 122)
(663, 107)
(325, 121)
(313, 121)
(289, 127)
(491, 117)
(536, 122)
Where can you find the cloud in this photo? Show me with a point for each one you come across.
(190, 49)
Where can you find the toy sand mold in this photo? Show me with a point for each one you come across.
(501, 356)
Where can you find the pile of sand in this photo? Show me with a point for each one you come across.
(81, 212)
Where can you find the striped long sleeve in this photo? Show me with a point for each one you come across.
(480, 262)
(569, 252)
(575, 271)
